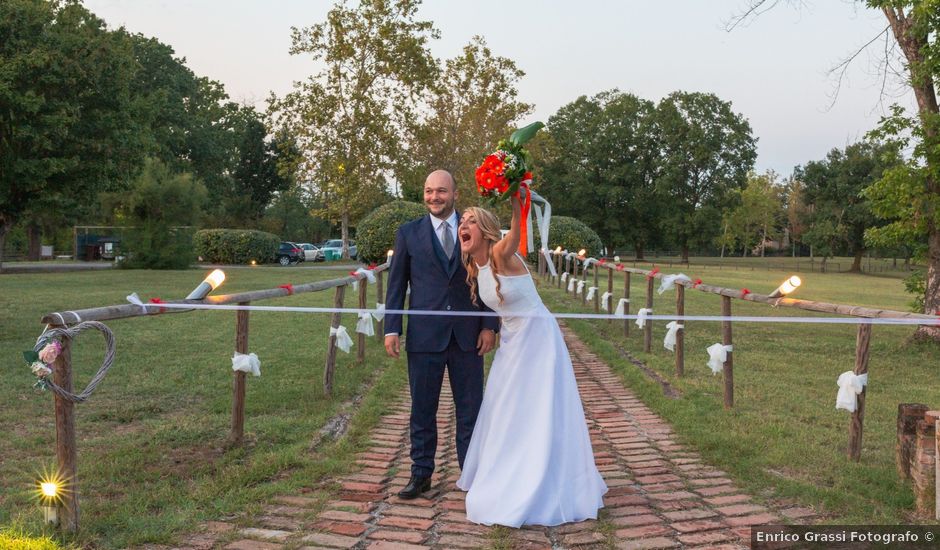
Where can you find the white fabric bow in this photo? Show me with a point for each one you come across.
(605, 301)
(587, 262)
(564, 276)
(591, 291)
(641, 316)
(580, 287)
(135, 299)
(246, 363)
(370, 275)
(622, 306)
(379, 311)
(850, 385)
(718, 354)
(343, 341)
(571, 282)
(364, 326)
(669, 281)
(669, 342)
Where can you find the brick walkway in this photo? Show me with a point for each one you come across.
(661, 494)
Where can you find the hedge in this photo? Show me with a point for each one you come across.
(375, 234)
(235, 246)
(570, 234)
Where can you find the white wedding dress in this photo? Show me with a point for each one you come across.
(530, 460)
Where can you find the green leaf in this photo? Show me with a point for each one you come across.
(31, 356)
(524, 134)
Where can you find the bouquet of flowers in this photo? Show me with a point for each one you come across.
(506, 169)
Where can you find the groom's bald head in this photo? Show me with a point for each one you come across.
(440, 193)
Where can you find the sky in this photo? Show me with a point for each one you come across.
(775, 71)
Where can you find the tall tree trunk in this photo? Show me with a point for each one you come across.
(4, 229)
(685, 252)
(345, 236)
(914, 41)
(857, 261)
(638, 249)
(822, 267)
(763, 240)
(722, 250)
(34, 233)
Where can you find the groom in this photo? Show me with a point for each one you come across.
(427, 257)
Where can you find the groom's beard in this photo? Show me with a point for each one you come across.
(440, 210)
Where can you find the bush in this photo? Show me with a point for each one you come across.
(375, 234)
(236, 246)
(12, 538)
(570, 234)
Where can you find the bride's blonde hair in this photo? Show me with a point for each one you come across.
(489, 226)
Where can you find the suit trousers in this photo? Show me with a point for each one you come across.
(425, 378)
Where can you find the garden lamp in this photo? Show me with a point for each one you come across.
(210, 283)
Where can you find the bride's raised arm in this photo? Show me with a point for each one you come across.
(509, 244)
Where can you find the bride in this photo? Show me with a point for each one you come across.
(530, 460)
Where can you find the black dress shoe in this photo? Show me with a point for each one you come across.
(415, 487)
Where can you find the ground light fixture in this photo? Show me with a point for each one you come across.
(786, 287)
(50, 498)
(210, 283)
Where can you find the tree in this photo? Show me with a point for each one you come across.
(257, 176)
(471, 106)
(706, 153)
(602, 159)
(756, 219)
(833, 188)
(909, 195)
(348, 119)
(69, 125)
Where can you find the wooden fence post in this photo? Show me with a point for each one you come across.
(680, 334)
(597, 292)
(331, 348)
(361, 342)
(379, 299)
(729, 361)
(626, 306)
(65, 449)
(558, 270)
(238, 385)
(908, 415)
(862, 341)
(610, 289)
(648, 328)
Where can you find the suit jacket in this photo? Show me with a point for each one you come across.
(436, 284)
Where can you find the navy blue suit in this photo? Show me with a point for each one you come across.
(433, 342)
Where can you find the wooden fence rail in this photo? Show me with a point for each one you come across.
(66, 452)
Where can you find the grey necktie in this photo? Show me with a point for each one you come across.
(448, 241)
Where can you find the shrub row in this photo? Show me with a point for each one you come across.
(235, 246)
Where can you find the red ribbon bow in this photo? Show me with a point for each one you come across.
(373, 266)
(158, 301)
(652, 274)
(619, 267)
(288, 287)
(524, 222)
(696, 283)
(602, 261)
(744, 292)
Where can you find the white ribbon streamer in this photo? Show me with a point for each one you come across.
(605, 300)
(379, 312)
(668, 282)
(621, 306)
(571, 282)
(364, 326)
(591, 291)
(580, 287)
(669, 342)
(135, 299)
(543, 218)
(587, 262)
(850, 385)
(641, 316)
(246, 363)
(564, 276)
(718, 354)
(343, 341)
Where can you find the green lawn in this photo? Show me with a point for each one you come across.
(783, 439)
(153, 436)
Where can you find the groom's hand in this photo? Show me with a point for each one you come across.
(486, 341)
(392, 345)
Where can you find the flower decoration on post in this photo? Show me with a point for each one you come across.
(507, 172)
(744, 292)
(40, 362)
(696, 283)
(652, 273)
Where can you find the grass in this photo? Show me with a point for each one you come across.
(783, 439)
(153, 436)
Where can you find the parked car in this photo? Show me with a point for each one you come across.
(289, 253)
(311, 252)
(333, 249)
